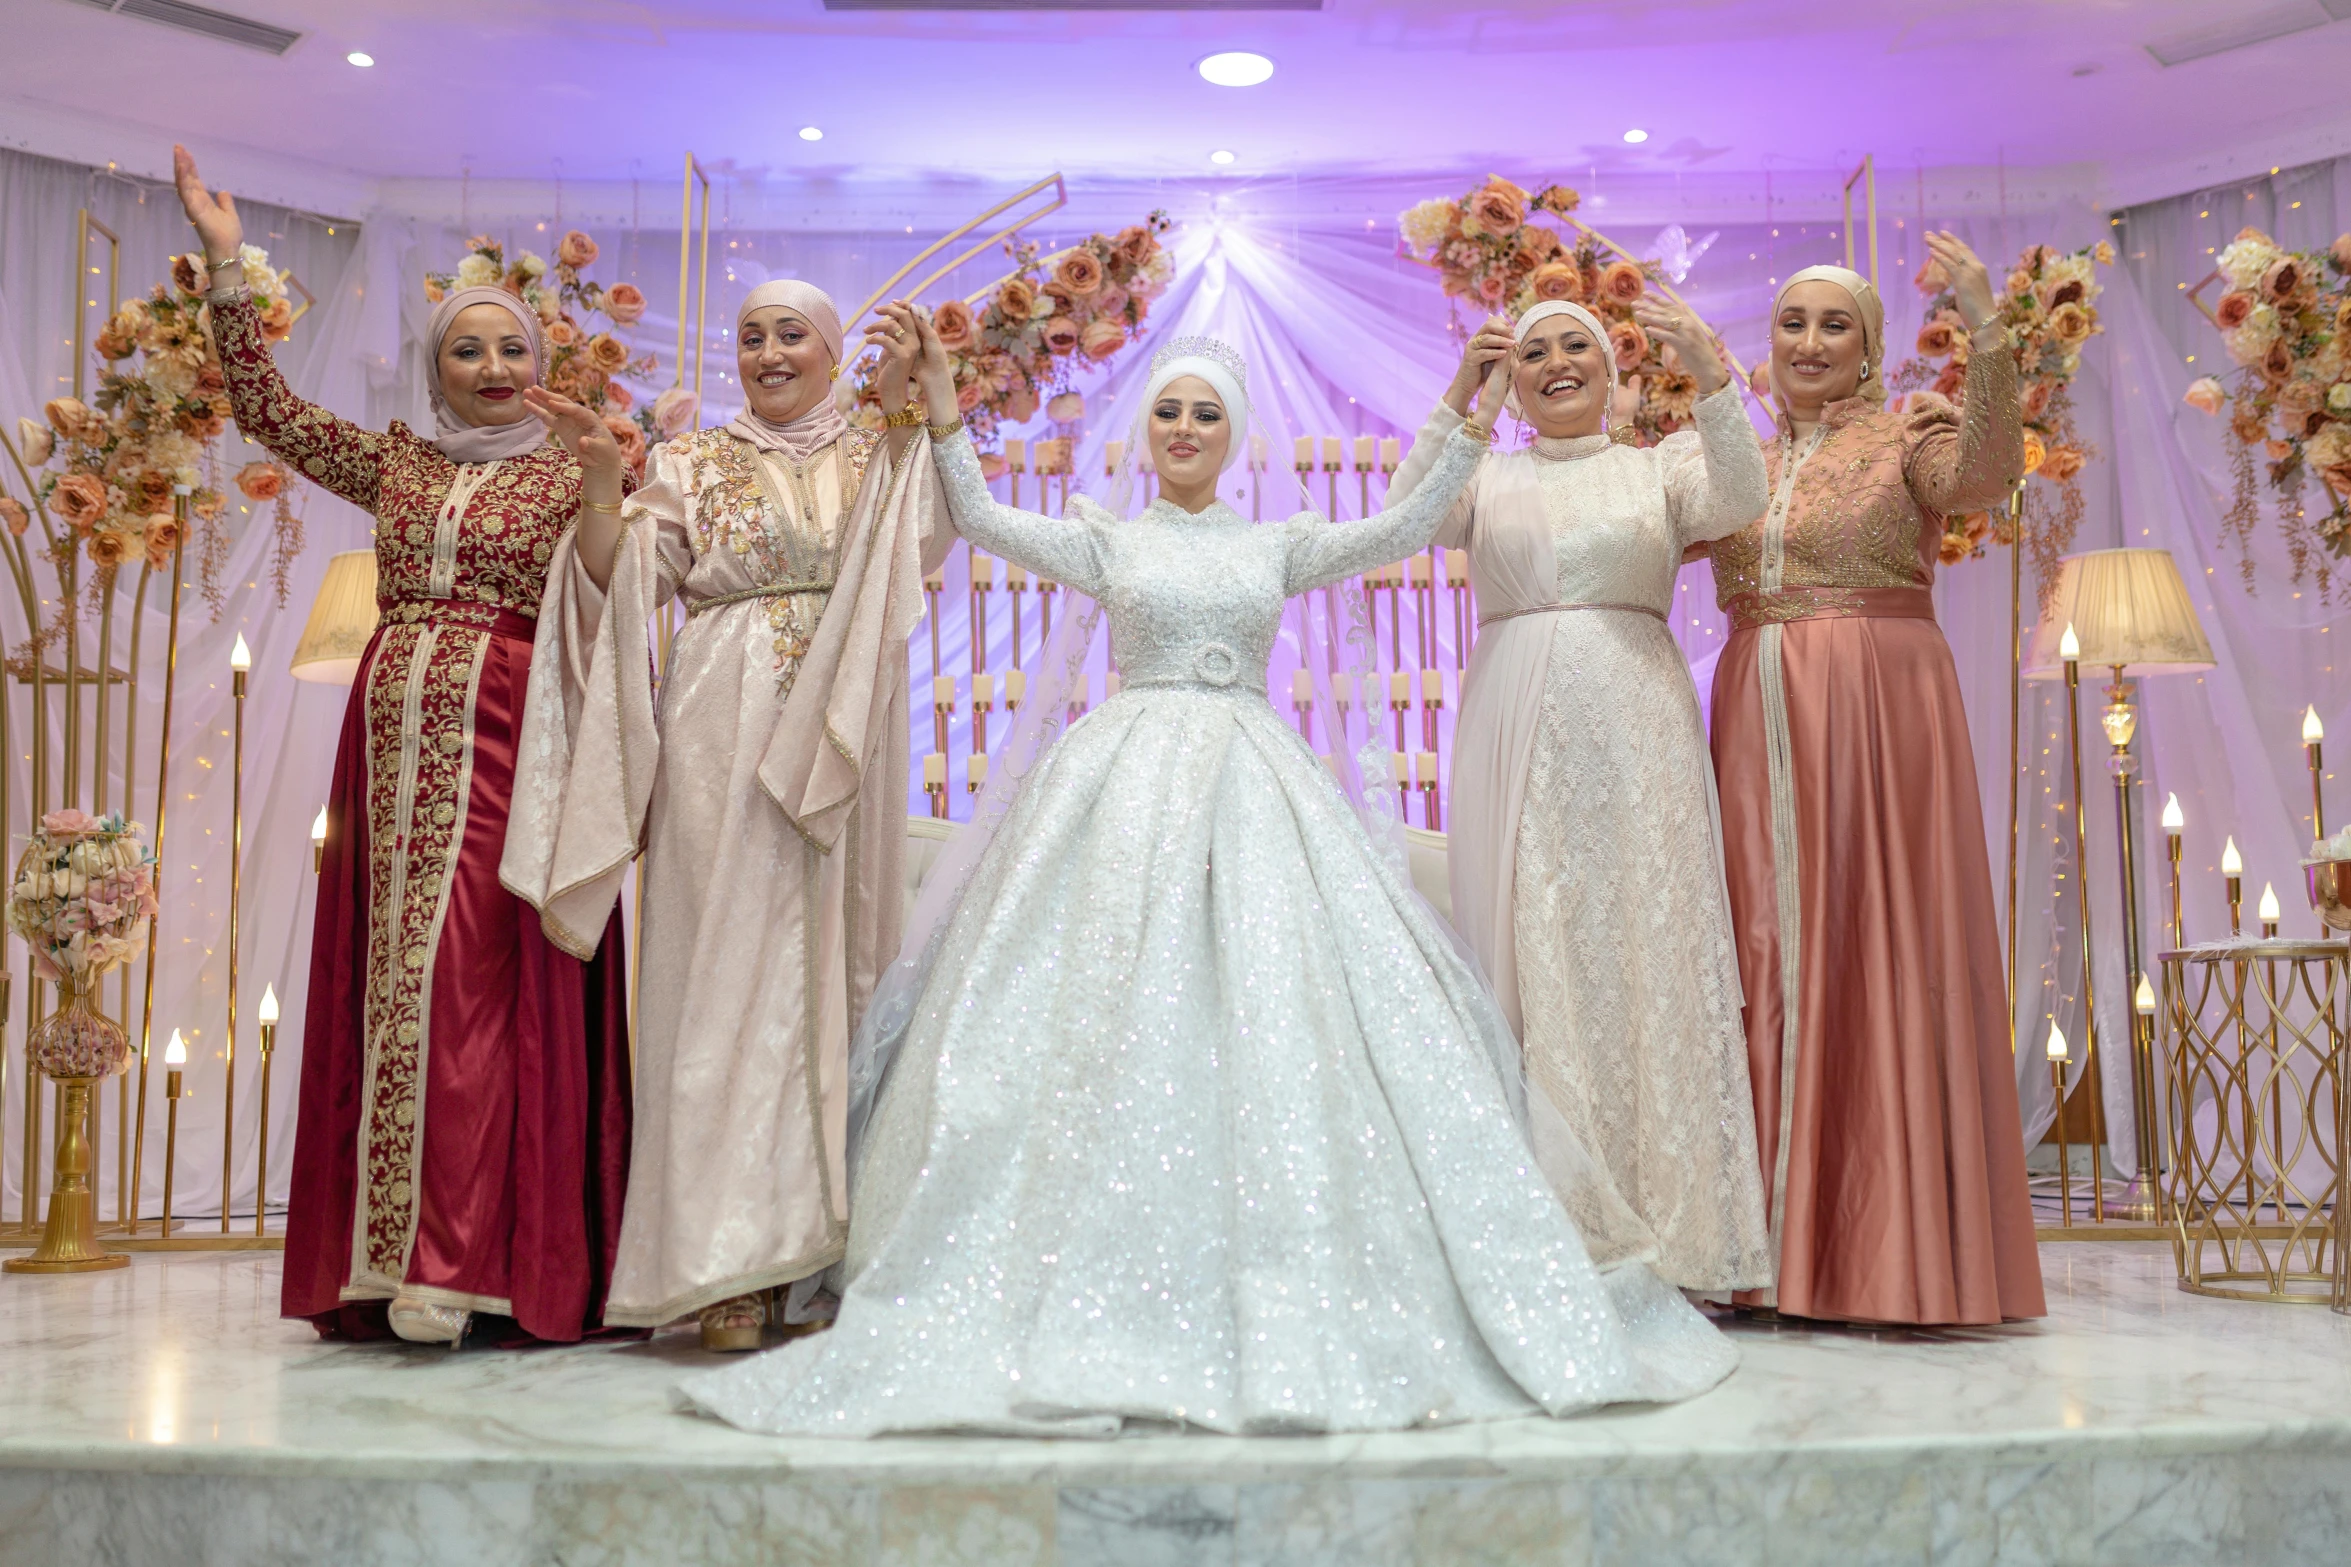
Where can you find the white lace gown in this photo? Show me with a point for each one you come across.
(1197, 1118)
(1585, 860)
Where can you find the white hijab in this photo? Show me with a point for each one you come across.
(1213, 361)
(1536, 315)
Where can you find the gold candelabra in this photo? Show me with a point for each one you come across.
(175, 1061)
(2312, 733)
(268, 1017)
(2070, 650)
(2059, 1055)
(2232, 879)
(2175, 821)
(240, 664)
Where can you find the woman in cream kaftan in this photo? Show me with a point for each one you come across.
(462, 1140)
(1583, 853)
(1877, 1035)
(769, 796)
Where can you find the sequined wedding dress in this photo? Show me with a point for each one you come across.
(1198, 1117)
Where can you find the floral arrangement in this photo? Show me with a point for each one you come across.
(161, 402)
(584, 361)
(2049, 306)
(2286, 320)
(1015, 348)
(83, 894)
(1490, 248)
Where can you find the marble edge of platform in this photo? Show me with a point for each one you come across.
(1520, 1452)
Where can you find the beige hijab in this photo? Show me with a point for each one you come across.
(453, 437)
(802, 438)
(1868, 306)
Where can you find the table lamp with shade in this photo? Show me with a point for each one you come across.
(2129, 610)
(342, 619)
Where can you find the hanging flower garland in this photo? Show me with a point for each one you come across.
(2286, 321)
(1490, 248)
(161, 405)
(585, 361)
(2049, 306)
(1015, 347)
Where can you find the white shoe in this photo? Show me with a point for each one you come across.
(422, 1322)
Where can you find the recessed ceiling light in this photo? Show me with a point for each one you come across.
(1636, 136)
(1220, 156)
(811, 133)
(1235, 68)
(360, 58)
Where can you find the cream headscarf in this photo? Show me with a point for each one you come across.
(452, 437)
(1537, 314)
(801, 438)
(1866, 305)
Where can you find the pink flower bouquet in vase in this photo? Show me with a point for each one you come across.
(83, 893)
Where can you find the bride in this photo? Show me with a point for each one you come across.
(1195, 1115)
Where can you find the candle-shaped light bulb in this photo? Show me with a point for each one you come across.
(269, 1006)
(2069, 646)
(2269, 903)
(318, 828)
(2173, 817)
(2312, 730)
(176, 1052)
(2144, 1001)
(240, 656)
(2231, 862)
(2057, 1046)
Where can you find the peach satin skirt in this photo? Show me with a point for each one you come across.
(1903, 1197)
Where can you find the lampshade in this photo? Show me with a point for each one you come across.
(342, 618)
(2127, 607)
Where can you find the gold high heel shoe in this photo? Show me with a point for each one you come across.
(733, 1326)
(422, 1322)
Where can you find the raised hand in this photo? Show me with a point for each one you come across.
(934, 371)
(1694, 346)
(580, 432)
(895, 335)
(1491, 344)
(1971, 281)
(214, 214)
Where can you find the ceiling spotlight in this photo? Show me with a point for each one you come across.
(1220, 156)
(360, 58)
(1636, 136)
(1235, 68)
(811, 133)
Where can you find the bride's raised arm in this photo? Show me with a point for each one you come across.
(1071, 550)
(1326, 552)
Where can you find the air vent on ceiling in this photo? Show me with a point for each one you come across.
(2253, 25)
(1077, 5)
(200, 19)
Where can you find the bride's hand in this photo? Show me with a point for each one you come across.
(934, 372)
(1491, 392)
(215, 215)
(1491, 342)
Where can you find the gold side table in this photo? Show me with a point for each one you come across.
(2255, 1055)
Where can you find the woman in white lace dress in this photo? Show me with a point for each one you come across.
(1585, 859)
(1196, 1116)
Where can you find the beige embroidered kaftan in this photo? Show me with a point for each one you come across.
(762, 931)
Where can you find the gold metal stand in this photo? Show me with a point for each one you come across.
(2141, 1201)
(69, 1241)
(2070, 652)
(269, 1043)
(240, 661)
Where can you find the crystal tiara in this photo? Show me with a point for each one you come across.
(1214, 350)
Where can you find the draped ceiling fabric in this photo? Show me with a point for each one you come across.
(1343, 338)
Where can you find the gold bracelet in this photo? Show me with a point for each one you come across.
(612, 507)
(905, 418)
(940, 432)
(216, 266)
(1483, 434)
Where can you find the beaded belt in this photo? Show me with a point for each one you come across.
(773, 590)
(460, 612)
(1752, 610)
(1484, 621)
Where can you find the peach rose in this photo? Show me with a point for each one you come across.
(2340, 251)
(109, 548)
(1495, 209)
(625, 303)
(562, 334)
(1938, 337)
(1954, 546)
(1066, 407)
(1135, 244)
(210, 382)
(1631, 344)
(434, 293)
(72, 418)
(674, 411)
(1621, 283)
(1759, 381)
(2281, 279)
(1932, 278)
(2205, 394)
(80, 499)
(207, 504)
(1493, 288)
(628, 437)
(576, 251)
(2278, 363)
(1016, 298)
(199, 423)
(2234, 310)
(1101, 339)
(1020, 405)
(161, 536)
(37, 442)
(2070, 325)
(608, 353)
(951, 319)
(618, 398)
(968, 395)
(2036, 401)
(1557, 280)
(2036, 451)
(13, 514)
(187, 274)
(113, 342)
(151, 491)
(1080, 272)
(277, 320)
(2061, 463)
(1061, 334)
(261, 481)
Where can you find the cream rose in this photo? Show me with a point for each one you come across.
(625, 303)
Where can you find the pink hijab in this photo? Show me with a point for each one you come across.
(461, 442)
(802, 438)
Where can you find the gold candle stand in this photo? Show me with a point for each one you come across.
(268, 1017)
(2070, 652)
(240, 661)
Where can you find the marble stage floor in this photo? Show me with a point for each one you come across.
(162, 1414)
